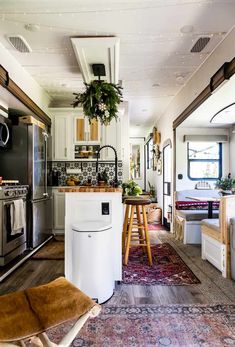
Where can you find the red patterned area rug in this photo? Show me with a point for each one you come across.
(168, 268)
(156, 227)
(145, 326)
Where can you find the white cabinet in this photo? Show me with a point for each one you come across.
(70, 128)
(62, 137)
(85, 132)
(58, 211)
(111, 135)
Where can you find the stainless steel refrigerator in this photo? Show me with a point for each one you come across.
(27, 161)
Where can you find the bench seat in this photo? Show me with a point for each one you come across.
(211, 228)
(195, 215)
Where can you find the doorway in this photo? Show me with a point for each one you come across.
(167, 176)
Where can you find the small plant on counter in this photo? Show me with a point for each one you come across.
(131, 188)
(99, 101)
(103, 177)
(225, 184)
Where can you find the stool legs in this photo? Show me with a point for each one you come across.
(140, 227)
(129, 236)
(147, 235)
(125, 225)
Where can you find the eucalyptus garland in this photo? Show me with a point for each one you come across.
(100, 101)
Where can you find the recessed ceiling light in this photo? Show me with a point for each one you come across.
(144, 110)
(32, 27)
(180, 79)
(186, 29)
(156, 85)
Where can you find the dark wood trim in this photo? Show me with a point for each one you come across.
(192, 107)
(230, 68)
(15, 90)
(4, 78)
(224, 73)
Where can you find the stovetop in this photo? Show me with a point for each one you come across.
(8, 191)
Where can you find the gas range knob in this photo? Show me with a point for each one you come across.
(11, 193)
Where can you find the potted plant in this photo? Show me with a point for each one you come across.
(152, 190)
(99, 101)
(131, 188)
(225, 185)
(103, 178)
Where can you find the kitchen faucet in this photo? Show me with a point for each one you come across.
(116, 184)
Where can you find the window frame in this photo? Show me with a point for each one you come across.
(220, 160)
(148, 158)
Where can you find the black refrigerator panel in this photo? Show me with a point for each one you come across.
(14, 162)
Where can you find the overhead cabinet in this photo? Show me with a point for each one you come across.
(111, 135)
(62, 138)
(86, 132)
(71, 131)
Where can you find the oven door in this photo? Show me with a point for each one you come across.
(10, 242)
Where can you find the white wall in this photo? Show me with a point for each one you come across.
(225, 52)
(24, 80)
(232, 153)
(181, 154)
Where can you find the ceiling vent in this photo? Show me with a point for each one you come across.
(200, 44)
(19, 43)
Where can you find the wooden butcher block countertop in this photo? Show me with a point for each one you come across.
(90, 189)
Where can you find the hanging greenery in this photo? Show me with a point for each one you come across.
(100, 101)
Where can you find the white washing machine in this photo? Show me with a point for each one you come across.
(92, 269)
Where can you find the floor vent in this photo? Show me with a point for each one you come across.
(19, 43)
(200, 44)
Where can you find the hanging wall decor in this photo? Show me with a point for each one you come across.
(156, 136)
(100, 101)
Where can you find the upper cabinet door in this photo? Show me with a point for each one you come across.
(94, 132)
(85, 132)
(80, 129)
(112, 136)
(62, 137)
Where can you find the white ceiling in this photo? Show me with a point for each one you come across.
(153, 51)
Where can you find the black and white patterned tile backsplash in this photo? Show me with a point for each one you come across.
(87, 170)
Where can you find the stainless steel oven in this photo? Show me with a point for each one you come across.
(11, 245)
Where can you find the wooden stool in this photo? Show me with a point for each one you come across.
(141, 235)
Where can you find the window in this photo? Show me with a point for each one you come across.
(204, 160)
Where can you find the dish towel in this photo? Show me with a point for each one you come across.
(17, 217)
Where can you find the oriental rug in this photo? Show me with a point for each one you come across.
(168, 268)
(151, 325)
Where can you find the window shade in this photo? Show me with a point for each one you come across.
(205, 138)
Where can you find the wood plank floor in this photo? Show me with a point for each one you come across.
(213, 288)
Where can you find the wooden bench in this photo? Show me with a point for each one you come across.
(216, 236)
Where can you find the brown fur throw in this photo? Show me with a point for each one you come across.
(34, 310)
